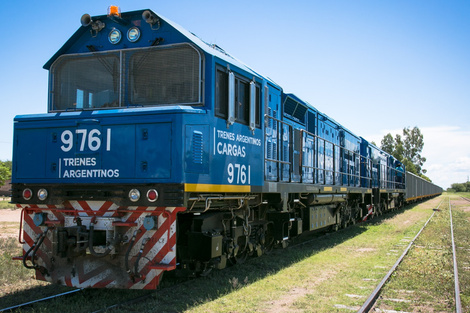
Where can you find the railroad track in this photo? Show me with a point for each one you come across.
(371, 300)
(30, 303)
(312, 238)
(143, 298)
(458, 305)
(302, 241)
(127, 302)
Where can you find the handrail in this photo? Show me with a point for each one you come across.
(360, 171)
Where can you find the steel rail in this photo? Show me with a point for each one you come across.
(127, 302)
(152, 293)
(373, 296)
(458, 304)
(11, 308)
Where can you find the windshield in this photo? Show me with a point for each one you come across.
(137, 77)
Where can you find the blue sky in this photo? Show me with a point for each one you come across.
(374, 66)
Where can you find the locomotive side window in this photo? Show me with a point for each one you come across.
(242, 101)
(136, 77)
(221, 94)
(242, 94)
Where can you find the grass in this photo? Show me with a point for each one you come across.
(5, 204)
(338, 269)
(13, 276)
(461, 219)
(9, 229)
(425, 279)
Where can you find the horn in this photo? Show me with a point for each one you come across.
(86, 20)
(149, 17)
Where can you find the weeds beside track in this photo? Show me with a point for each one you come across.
(428, 278)
(332, 274)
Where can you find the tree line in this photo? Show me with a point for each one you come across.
(5, 171)
(407, 149)
(459, 187)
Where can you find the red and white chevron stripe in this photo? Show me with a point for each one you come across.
(370, 211)
(158, 246)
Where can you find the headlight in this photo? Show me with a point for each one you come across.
(114, 36)
(42, 194)
(134, 195)
(133, 34)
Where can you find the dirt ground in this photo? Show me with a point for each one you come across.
(8, 215)
(9, 223)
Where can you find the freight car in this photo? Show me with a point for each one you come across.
(419, 189)
(160, 152)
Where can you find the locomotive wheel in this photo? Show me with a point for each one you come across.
(242, 254)
(334, 227)
(378, 210)
(269, 240)
(241, 257)
(384, 206)
(207, 269)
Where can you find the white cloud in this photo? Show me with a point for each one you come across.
(447, 153)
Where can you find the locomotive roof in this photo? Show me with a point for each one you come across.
(212, 49)
(78, 41)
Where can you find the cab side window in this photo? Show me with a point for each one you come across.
(221, 94)
(241, 91)
(242, 101)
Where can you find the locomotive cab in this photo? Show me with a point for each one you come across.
(144, 120)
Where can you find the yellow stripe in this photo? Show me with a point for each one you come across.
(344, 189)
(327, 188)
(215, 188)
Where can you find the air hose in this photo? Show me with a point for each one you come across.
(34, 248)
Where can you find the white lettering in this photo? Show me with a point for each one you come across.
(85, 139)
(237, 173)
(222, 134)
(231, 150)
(249, 140)
(95, 173)
(79, 161)
(225, 135)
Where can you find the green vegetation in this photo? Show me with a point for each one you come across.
(5, 171)
(459, 187)
(13, 276)
(5, 204)
(330, 273)
(407, 149)
(424, 282)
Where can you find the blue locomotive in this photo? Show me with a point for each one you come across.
(162, 152)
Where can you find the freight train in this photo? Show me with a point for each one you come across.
(161, 152)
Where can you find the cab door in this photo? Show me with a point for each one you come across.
(272, 132)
